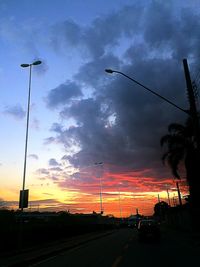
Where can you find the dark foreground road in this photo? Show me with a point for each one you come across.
(122, 249)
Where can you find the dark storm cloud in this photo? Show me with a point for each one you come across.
(92, 73)
(177, 33)
(53, 162)
(102, 34)
(121, 123)
(33, 156)
(15, 111)
(49, 140)
(56, 127)
(111, 28)
(62, 94)
(65, 34)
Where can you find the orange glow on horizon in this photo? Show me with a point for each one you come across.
(122, 193)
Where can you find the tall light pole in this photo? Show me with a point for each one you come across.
(23, 191)
(100, 182)
(120, 207)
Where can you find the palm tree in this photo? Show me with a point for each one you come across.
(178, 142)
(182, 147)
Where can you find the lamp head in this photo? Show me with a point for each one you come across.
(38, 62)
(109, 71)
(25, 65)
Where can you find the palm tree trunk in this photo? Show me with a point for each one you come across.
(192, 164)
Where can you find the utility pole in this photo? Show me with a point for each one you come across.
(192, 104)
(179, 194)
(120, 208)
(168, 197)
(190, 91)
(194, 183)
(158, 198)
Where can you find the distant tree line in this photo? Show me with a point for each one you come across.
(39, 227)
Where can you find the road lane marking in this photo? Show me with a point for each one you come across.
(42, 261)
(117, 261)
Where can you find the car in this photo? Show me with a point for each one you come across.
(148, 229)
(132, 223)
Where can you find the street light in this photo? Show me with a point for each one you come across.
(22, 195)
(110, 71)
(100, 181)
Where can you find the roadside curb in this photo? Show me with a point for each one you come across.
(189, 237)
(29, 258)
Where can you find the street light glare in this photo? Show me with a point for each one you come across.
(25, 65)
(38, 62)
(109, 71)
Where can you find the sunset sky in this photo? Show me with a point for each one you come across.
(79, 114)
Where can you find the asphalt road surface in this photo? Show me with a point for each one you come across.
(123, 249)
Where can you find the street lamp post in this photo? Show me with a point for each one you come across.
(22, 195)
(110, 71)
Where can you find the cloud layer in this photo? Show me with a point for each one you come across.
(115, 120)
(16, 112)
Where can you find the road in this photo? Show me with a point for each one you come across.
(122, 249)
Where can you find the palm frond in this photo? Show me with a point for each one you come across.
(165, 139)
(176, 127)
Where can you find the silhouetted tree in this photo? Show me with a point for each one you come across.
(160, 209)
(183, 147)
